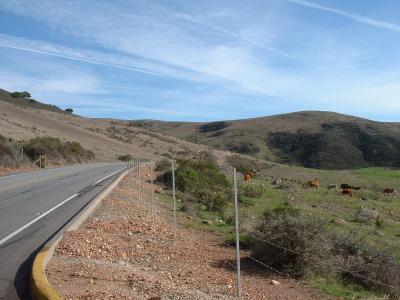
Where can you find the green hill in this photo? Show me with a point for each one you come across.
(323, 140)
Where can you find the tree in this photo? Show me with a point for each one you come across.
(69, 110)
(26, 94)
(23, 94)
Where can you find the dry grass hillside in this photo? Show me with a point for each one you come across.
(311, 139)
(23, 119)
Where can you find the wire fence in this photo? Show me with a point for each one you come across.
(257, 261)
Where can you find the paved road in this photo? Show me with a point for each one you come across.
(34, 207)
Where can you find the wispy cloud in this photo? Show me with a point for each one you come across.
(350, 15)
(60, 81)
(81, 55)
(237, 35)
(201, 57)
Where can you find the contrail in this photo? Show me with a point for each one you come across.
(349, 15)
(90, 61)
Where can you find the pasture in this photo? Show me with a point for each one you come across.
(341, 211)
(369, 215)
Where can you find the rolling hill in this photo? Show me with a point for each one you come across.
(323, 140)
(24, 118)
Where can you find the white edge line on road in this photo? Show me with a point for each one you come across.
(5, 239)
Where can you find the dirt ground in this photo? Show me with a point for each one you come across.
(126, 250)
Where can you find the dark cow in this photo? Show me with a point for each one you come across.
(390, 191)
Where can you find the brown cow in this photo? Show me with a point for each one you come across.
(313, 183)
(348, 192)
(247, 177)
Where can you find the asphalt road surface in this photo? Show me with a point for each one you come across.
(34, 207)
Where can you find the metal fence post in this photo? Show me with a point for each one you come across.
(139, 196)
(151, 186)
(174, 195)
(235, 196)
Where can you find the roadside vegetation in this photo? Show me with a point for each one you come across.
(345, 246)
(16, 154)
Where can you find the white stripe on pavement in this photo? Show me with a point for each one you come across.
(11, 235)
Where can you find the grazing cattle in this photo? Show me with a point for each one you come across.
(333, 186)
(313, 183)
(345, 186)
(247, 177)
(276, 181)
(390, 191)
(348, 192)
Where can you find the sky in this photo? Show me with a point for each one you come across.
(189, 60)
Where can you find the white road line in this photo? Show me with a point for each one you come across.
(2, 241)
(97, 182)
(11, 235)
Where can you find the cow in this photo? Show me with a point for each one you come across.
(276, 181)
(348, 192)
(390, 191)
(333, 186)
(247, 177)
(345, 186)
(313, 183)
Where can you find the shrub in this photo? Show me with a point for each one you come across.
(206, 155)
(213, 126)
(244, 148)
(360, 263)
(125, 157)
(55, 149)
(203, 180)
(69, 110)
(20, 94)
(295, 244)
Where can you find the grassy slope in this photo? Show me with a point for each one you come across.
(22, 120)
(313, 139)
(328, 205)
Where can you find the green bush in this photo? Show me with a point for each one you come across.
(203, 180)
(55, 149)
(20, 94)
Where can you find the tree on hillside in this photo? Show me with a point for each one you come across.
(23, 94)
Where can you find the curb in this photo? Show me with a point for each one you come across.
(40, 287)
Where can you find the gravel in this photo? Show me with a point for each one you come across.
(126, 251)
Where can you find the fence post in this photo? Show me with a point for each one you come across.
(235, 196)
(139, 196)
(174, 195)
(151, 186)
